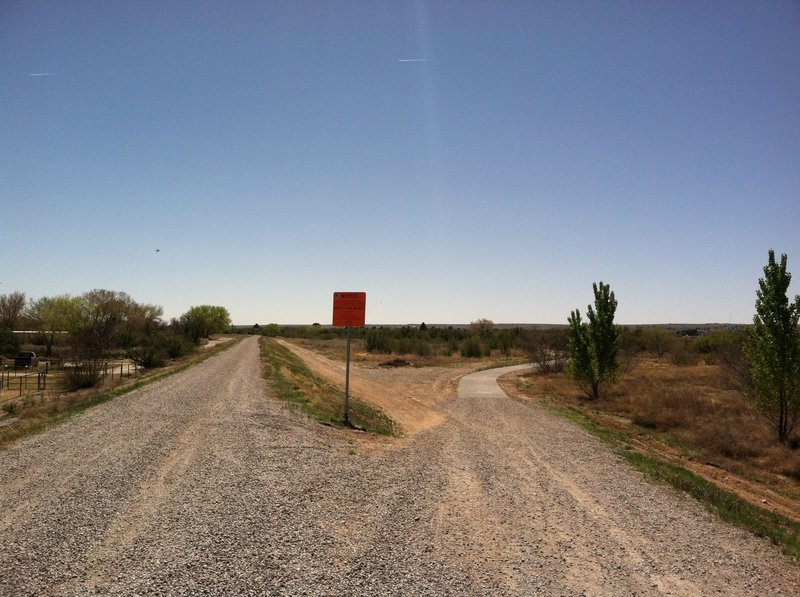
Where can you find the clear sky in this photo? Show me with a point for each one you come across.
(455, 160)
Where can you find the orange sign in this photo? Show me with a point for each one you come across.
(349, 309)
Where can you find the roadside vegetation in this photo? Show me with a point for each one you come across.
(694, 409)
(36, 412)
(680, 414)
(420, 345)
(86, 347)
(293, 382)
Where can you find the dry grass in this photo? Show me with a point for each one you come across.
(336, 350)
(291, 380)
(694, 407)
(37, 412)
(689, 425)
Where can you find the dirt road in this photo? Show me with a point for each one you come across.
(200, 485)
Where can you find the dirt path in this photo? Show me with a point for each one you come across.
(414, 397)
(200, 485)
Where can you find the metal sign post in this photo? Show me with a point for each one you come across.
(347, 382)
(349, 309)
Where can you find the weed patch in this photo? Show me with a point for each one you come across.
(290, 380)
(691, 407)
(782, 531)
(47, 412)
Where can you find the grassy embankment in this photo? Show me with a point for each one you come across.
(49, 410)
(690, 412)
(292, 381)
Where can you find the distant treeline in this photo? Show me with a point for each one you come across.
(543, 344)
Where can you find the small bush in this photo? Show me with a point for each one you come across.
(11, 408)
(471, 348)
(149, 357)
(403, 346)
(682, 356)
(177, 346)
(378, 340)
(85, 375)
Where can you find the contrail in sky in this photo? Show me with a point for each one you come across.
(41, 74)
(413, 60)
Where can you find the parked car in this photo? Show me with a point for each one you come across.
(26, 359)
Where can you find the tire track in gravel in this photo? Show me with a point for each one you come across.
(200, 485)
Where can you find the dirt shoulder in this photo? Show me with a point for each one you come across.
(412, 396)
(756, 493)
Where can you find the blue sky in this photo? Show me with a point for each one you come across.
(454, 160)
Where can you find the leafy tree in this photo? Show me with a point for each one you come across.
(50, 315)
(482, 328)
(204, 320)
(593, 344)
(773, 348)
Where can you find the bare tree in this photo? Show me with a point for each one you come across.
(12, 306)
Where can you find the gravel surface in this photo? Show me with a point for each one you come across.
(199, 485)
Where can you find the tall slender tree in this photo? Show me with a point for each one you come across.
(593, 344)
(773, 348)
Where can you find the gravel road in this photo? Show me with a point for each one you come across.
(199, 485)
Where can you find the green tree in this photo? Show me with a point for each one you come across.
(204, 320)
(593, 344)
(773, 348)
(51, 315)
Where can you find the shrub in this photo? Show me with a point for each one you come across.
(11, 408)
(403, 346)
(681, 355)
(471, 348)
(177, 346)
(423, 348)
(659, 341)
(377, 340)
(84, 375)
(148, 357)
(9, 343)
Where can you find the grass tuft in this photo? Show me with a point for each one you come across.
(782, 531)
(292, 381)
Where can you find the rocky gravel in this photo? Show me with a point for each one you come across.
(200, 485)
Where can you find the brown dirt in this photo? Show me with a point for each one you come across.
(754, 492)
(412, 396)
(200, 483)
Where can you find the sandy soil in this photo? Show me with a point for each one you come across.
(413, 397)
(752, 491)
(200, 484)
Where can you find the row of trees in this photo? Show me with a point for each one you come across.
(771, 371)
(478, 339)
(100, 322)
